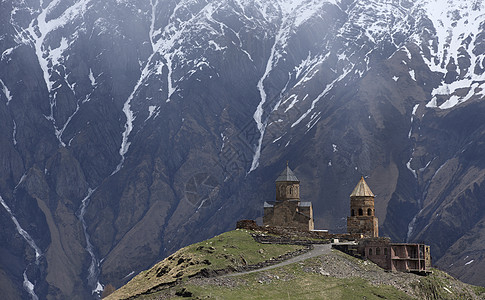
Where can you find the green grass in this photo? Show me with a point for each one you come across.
(238, 248)
(479, 290)
(291, 282)
(229, 250)
(295, 281)
(441, 285)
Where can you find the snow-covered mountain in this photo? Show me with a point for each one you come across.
(131, 129)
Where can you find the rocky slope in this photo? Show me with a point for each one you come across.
(128, 130)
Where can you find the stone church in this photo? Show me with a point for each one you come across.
(362, 218)
(287, 210)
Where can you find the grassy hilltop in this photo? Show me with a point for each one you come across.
(198, 272)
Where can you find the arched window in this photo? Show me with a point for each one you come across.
(361, 213)
(369, 212)
(291, 190)
(352, 213)
(370, 251)
(378, 251)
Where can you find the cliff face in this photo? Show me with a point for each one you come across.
(128, 130)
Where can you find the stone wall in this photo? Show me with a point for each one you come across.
(287, 214)
(378, 250)
(294, 233)
(366, 225)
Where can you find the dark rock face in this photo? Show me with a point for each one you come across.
(128, 130)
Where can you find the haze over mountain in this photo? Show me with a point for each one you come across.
(131, 129)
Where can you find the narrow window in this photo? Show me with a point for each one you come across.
(385, 251)
(378, 251)
(369, 212)
(352, 213)
(361, 213)
(291, 190)
(370, 251)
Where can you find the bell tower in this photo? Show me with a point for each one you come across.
(362, 218)
(287, 186)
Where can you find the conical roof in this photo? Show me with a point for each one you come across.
(362, 189)
(287, 175)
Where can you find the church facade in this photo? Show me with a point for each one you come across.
(287, 210)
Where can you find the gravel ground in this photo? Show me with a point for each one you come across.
(337, 265)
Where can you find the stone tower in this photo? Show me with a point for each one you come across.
(362, 213)
(287, 210)
(287, 186)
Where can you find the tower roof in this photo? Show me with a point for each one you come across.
(287, 175)
(362, 189)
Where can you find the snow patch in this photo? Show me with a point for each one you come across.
(412, 74)
(415, 108)
(151, 111)
(451, 30)
(457, 24)
(131, 273)
(277, 139)
(395, 78)
(14, 133)
(450, 89)
(6, 92)
(29, 287)
(7, 53)
(22, 232)
(469, 262)
(432, 103)
(93, 271)
(216, 46)
(324, 93)
(91, 78)
(405, 49)
(258, 114)
(411, 226)
(152, 33)
(293, 15)
(408, 165)
(99, 288)
(130, 117)
(171, 88)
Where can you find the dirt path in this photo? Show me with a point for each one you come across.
(317, 251)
